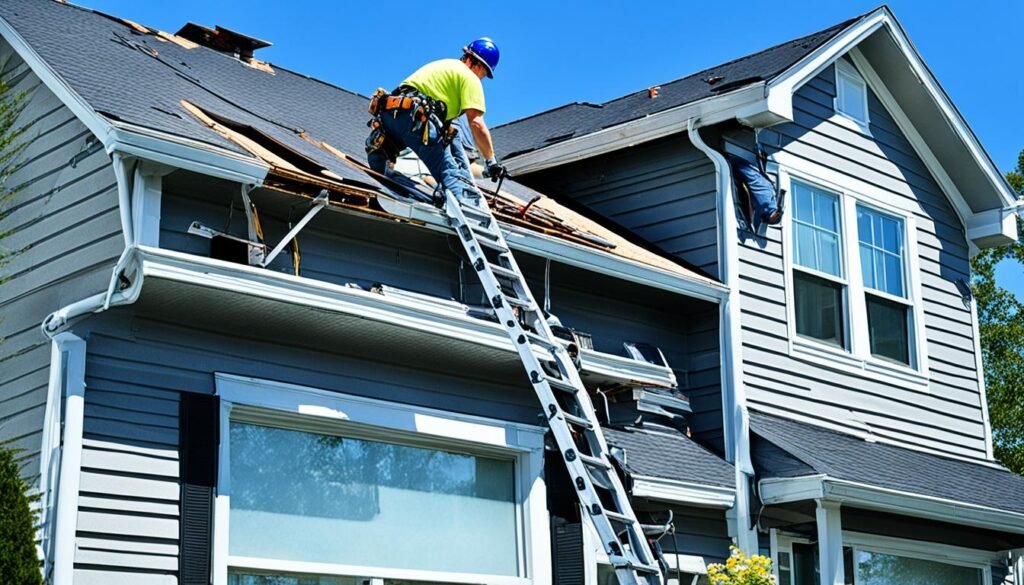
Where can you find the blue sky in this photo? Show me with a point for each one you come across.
(558, 52)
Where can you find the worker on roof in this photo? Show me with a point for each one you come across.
(419, 112)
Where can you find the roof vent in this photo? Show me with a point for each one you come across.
(223, 40)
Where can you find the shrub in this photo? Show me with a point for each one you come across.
(19, 564)
(740, 569)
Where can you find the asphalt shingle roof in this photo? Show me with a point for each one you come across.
(578, 119)
(670, 455)
(846, 457)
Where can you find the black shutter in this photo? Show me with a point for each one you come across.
(199, 444)
(567, 552)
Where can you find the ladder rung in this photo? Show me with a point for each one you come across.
(631, 563)
(475, 211)
(595, 462)
(617, 517)
(518, 302)
(577, 420)
(561, 385)
(490, 232)
(542, 341)
(504, 272)
(493, 245)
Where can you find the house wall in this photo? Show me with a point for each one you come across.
(947, 417)
(63, 217)
(664, 191)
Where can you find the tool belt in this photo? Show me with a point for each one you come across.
(425, 111)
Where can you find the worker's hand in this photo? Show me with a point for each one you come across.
(496, 171)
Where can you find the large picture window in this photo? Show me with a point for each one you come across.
(321, 488)
(339, 498)
(819, 286)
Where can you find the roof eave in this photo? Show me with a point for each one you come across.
(683, 492)
(775, 491)
(135, 140)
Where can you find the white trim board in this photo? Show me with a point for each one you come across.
(683, 492)
(822, 487)
(382, 420)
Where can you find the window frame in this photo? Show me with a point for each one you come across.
(844, 70)
(782, 542)
(856, 359)
(844, 263)
(907, 300)
(322, 411)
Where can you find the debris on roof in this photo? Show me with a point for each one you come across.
(308, 132)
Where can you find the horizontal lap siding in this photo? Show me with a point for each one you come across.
(663, 191)
(947, 418)
(64, 218)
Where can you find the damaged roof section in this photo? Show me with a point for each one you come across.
(202, 84)
(579, 119)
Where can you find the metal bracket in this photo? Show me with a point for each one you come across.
(321, 201)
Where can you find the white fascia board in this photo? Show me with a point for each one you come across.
(785, 490)
(184, 153)
(749, 100)
(682, 492)
(782, 88)
(275, 286)
(135, 140)
(569, 253)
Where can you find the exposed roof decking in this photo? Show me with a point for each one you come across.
(133, 77)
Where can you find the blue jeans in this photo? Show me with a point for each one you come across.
(448, 164)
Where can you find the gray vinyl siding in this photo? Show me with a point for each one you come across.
(663, 191)
(699, 532)
(64, 218)
(948, 417)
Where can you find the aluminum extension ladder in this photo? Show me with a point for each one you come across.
(567, 406)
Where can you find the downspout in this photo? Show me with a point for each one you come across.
(103, 301)
(737, 420)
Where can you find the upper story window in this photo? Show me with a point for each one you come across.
(882, 266)
(819, 286)
(851, 93)
(854, 291)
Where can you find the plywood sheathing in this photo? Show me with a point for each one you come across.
(180, 41)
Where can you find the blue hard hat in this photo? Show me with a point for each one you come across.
(486, 52)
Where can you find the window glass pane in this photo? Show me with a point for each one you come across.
(818, 305)
(888, 329)
(785, 574)
(825, 212)
(308, 497)
(828, 248)
(893, 274)
(805, 255)
(852, 98)
(804, 202)
(881, 251)
(805, 564)
(245, 578)
(881, 569)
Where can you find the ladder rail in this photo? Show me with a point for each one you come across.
(633, 560)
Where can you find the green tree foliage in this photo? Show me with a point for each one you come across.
(18, 562)
(11, 105)
(1001, 320)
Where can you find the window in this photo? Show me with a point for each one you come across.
(320, 488)
(818, 269)
(338, 498)
(851, 93)
(882, 268)
(878, 560)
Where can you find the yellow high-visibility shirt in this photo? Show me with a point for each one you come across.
(452, 82)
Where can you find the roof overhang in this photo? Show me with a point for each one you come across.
(682, 492)
(776, 491)
(186, 285)
(132, 140)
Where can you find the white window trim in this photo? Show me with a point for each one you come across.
(857, 359)
(847, 71)
(369, 417)
(782, 541)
